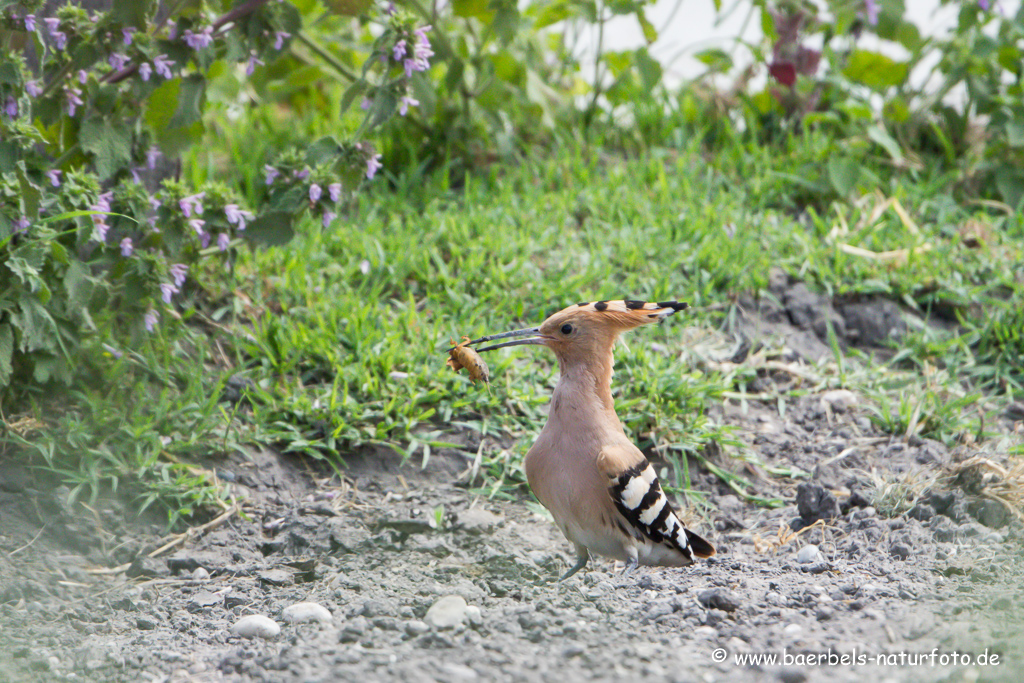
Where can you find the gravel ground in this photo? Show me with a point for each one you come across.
(415, 578)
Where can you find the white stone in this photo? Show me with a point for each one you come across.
(793, 629)
(256, 626)
(839, 399)
(808, 554)
(448, 612)
(302, 612)
(474, 615)
(200, 574)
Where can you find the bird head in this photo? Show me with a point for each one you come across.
(585, 330)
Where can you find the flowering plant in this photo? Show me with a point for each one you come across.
(95, 237)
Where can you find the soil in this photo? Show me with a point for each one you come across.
(906, 596)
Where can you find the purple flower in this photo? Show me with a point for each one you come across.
(198, 41)
(73, 99)
(373, 165)
(271, 172)
(152, 154)
(197, 225)
(407, 101)
(126, 247)
(204, 240)
(82, 76)
(154, 203)
(33, 88)
(60, 39)
(11, 107)
(303, 174)
(253, 61)
(984, 4)
(145, 70)
(168, 290)
(178, 273)
(366, 103)
(871, 8)
(21, 225)
(192, 203)
(279, 38)
(52, 24)
(30, 22)
(54, 176)
(163, 66)
(151, 318)
(102, 228)
(328, 217)
(237, 216)
(102, 203)
(126, 33)
(223, 241)
(117, 61)
(399, 50)
(112, 351)
(315, 193)
(334, 189)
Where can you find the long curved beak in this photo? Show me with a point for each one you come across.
(532, 337)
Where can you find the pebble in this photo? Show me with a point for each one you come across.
(458, 672)
(200, 574)
(899, 550)
(256, 626)
(416, 627)
(719, 598)
(793, 629)
(839, 399)
(474, 615)
(302, 612)
(808, 554)
(448, 612)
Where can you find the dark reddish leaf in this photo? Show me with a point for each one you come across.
(783, 72)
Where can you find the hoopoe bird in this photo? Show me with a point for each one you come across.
(602, 492)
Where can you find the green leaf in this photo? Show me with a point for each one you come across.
(717, 59)
(875, 70)
(191, 96)
(38, 331)
(79, 285)
(842, 174)
(6, 354)
(650, 33)
(131, 12)
(351, 93)
(349, 8)
(273, 228)
(322, 151)
(1010, 183)
(881, 137)
(1015, 132)
(109, 142)
(472, 8)
(506, 23)
(163, 103)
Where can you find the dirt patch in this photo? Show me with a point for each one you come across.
(902, 590)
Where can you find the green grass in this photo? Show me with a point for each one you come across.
(339, 358)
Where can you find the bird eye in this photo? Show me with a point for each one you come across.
(567, 329)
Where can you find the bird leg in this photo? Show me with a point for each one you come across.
(582, 555)
(631, 564)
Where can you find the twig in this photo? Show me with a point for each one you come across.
(34, 539)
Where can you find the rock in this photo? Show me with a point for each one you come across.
(275, 577)
(719, 598)
(376, 608)
(814, 502)
(991, 513)
(792, 674)
(204, 599)
(448, 612)
(458, 672)
(478, 521)
(200, 574)
(793, 629)
(839, 400)
(474, 615)
(922, 512)
(147, 567)
(809, 554)
(256, 626)
(354, 630)
(824, 613)
(873, 323)
(416, 627)
(303, 612)
(145, 623)
(899, 550)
